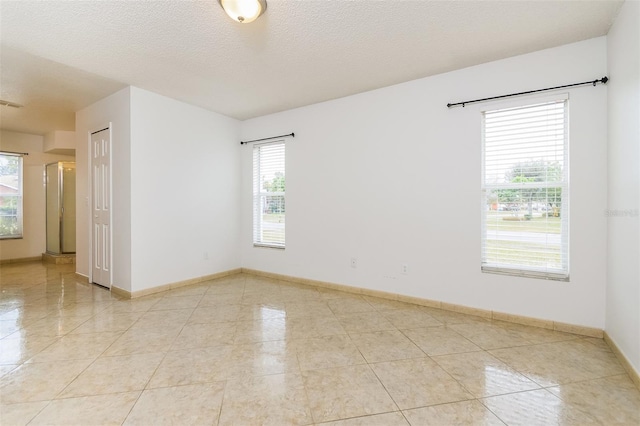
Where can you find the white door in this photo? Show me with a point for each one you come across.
(101, 207)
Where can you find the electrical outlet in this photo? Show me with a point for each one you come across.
(205, 256)
(405, 269)
(354, 262)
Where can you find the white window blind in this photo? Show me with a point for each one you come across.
(10, 195)
(525, 208)
(269, 194)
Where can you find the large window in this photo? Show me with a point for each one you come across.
(269, 194)
(525, 209)
(10, 195)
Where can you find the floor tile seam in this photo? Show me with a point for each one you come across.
(306, 391)
(395, 329)
(542, 388)
(303, 371)
(460, 335)
(363, 416)
(577, 406)
(406, 419)
(395, 403)
(625, 374)
(190, 383)
(224, 393)
(208, 322)
(48, 401)
(545, 344)
(454, 379)
(523, 345)
(258, 341)
(129, 329)
(56, 340)
(539, 387)
(79, 325)
(396, 359)
(26, 401)
(385, 387)
(124, 420)
(211, 294)
(39, 411)
(440, 404)
(93, 358)
(416, 327)
(28, 321)
(528, 375)
(570, 337)
(143, 328)
(573, 382)
(121, 330)
(168, 309)
(400, 331)
(74, 378)
(589, 340)
(145, 387)
(89, 395)
(168, 294)
(510, 346)
(572, 405)
(435, 357)
(299, 374)
(361, 354)
(480, 400)
(15, 366)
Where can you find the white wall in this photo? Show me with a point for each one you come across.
(623, 289)
(34, 241)
(185, 171)
(114, 109)
(392, 176)
(60, 142)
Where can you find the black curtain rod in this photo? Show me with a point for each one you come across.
(101, 130)
(603, 80)
(293, 135)
(16, 153)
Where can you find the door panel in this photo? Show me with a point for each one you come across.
(101, 215)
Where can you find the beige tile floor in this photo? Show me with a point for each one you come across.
(246, 350)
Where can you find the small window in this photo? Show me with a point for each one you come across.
(10, 196)
(269, 194)
(525, 208)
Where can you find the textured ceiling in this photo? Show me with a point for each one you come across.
(59, 56)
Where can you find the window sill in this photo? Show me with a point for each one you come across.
(526, 273)
(269, 246)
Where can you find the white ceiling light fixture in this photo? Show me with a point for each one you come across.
(244, 11)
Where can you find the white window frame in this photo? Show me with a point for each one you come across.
(19, 195)
(259, 194)
(562, 273)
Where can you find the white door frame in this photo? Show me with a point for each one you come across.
(109, 127)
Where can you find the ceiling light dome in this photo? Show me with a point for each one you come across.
(244, 11)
